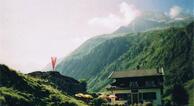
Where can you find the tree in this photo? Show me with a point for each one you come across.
(179, 95)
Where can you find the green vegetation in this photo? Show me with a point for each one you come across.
(17, 89)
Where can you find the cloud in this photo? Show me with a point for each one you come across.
(175, 11)
(111, 21)
(128, 12)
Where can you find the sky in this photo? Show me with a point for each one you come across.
(31, 31)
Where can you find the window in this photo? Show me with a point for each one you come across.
(141, 97)
(122, 96)
(150, 84)
(149, 96)
(133, 84)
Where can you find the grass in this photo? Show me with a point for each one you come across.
(13, 96)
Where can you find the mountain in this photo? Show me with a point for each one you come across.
(150, 41)
(170, 48)
(98, 56)
(17, 89)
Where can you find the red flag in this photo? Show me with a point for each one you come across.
(53, 62)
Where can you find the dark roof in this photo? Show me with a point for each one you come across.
(136, 73)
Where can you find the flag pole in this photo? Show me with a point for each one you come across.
(53, 62)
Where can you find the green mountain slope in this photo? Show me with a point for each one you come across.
(170, 48)
(86, 65)
(17, 89)
(99, 52)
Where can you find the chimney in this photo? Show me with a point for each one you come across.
(160, 70)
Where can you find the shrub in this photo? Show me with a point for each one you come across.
(98, 102)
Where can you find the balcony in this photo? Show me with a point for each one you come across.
(136, 85)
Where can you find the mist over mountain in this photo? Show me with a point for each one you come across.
(154, 20)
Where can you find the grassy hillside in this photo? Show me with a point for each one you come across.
(17, 89)
(64, 83)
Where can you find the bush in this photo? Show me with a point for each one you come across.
(148, 104)
(167, 103)
(98, 102)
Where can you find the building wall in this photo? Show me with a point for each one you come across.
(156, 102)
